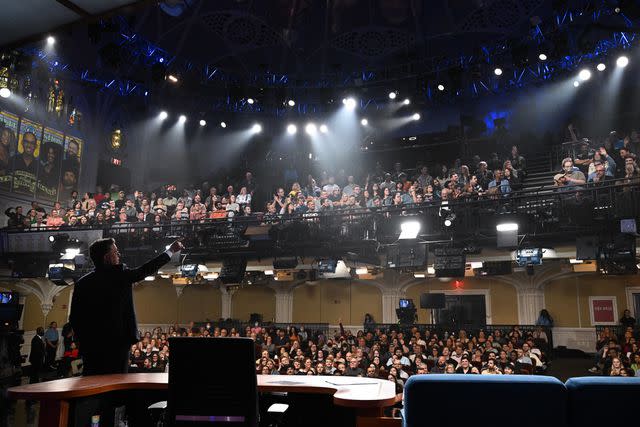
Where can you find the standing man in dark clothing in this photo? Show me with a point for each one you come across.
(103, 303)
(36, 356)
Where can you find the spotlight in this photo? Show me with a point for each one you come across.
(601, 67)
(250, 101)
(291, 103)
(311, 129)
(5, 92)
(406, 101)
(163, 115)
(622, 62)
(364, 122)
(292, 129)
(576, 83)
(182, 119)
(448, 221)
(223, 125)
(51, 40)
(203, 122)
(324, 128)
(584, 75)
(440, 87)
(409, 230)
(392, 95)
(256, 128)
(508, 226)
(542, 57)
(416, 116)
(172, 78)
(161, 60)
(498, 71)
(350, 103)
(52, 238)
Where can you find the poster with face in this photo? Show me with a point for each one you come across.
(50, 163)
(70, 174)
(8, 140)
(25, 160)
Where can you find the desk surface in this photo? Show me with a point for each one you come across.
(354, 392)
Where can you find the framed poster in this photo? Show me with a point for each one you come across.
(25, 160)
(50, 163)
(603, 310)
(73, 148)
(8, 142)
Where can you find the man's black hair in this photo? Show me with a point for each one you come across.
(99, 249)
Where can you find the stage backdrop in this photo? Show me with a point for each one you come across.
(38, 161)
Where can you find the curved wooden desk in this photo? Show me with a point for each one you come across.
(366, 395)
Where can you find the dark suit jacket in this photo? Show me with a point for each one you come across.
(102, 308)
(36, 356)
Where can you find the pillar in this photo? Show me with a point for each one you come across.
(390, 301)
(284, 305)
(530, 302)
(226, 309)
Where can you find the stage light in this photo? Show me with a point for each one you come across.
(542, 57)
(51, 40)
(416, 116)
(364, 122)
(431, 270)
(52, 238)
(440, 88)
(406, 101)
(150, 278)
(256, 128)
(507, 226)
(350, 103)
(291, 103)
(324, 128)
(622, 62)
(292, 129)
(419, 276)
(5, 92)
(575, 261)
(172, 78)
(362, 270)
(71, 252)
(250, 101)
(449, 219)
(146, 92)
(203, 122)
(584, 75)
(448, 222)
(182, 119)
(311, 129)
(601, 67)
(161, 60)
(409, 230)
(268, 272)
(576, 83)
(392, 95)
(163, 115)
(223, 125)
(498, 71)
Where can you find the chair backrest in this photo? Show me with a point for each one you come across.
(598, 401)
(201, 392)
(510, 395)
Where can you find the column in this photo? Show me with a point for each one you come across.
(390, 301)
(226, 309)
(284, 305)
(530, 302)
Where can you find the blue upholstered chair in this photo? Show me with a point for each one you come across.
(527, 401)
(600, 401)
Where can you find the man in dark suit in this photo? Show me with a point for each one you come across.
(36, 356)
(102, 312)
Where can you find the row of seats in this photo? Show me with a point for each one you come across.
(524, 400)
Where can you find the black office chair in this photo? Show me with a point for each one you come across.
(201, 393)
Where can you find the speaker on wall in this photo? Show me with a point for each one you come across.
(432, 301)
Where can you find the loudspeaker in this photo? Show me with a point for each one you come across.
(403, 256)
(434, 301)
(450, 266)
(233, 270)
(496, 268)
(587, 247)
